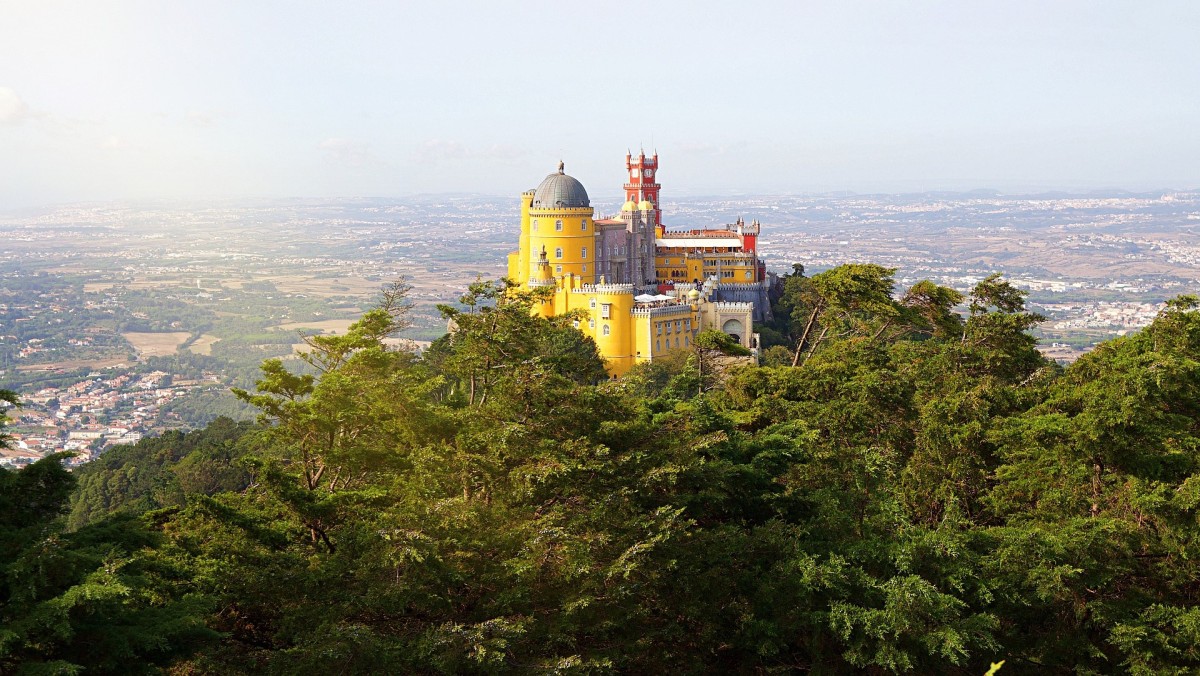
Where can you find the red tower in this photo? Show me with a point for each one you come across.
(642, 184)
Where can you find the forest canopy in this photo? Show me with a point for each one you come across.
(903, 486)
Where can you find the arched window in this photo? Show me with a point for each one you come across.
(585, 224)
(583, 253)
(558, 225)
(606, 330)
(558, 252)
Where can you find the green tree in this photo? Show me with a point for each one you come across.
(101, 599)
(850, 300)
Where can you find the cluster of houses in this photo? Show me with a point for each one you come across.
(92, 415)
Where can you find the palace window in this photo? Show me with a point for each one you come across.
(583, 253)
(533, 223)
(591, 323)
(584, 223)
(558, 268)
(558, 225)
(606, 330)
(575, 323)
(558, 252)
(659, 325)
(605, 310)
(592, 304)
(584, 268)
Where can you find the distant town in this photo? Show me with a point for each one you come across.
(118, 321)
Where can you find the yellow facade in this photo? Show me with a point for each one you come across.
(686, 266)
(568, 237)
(679, 266)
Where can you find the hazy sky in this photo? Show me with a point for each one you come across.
(170, 99)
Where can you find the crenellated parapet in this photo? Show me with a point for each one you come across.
(733, 306)
(743, 286)
(604, 288)
(678, 309)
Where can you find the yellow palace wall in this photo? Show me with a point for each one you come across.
(571, 250)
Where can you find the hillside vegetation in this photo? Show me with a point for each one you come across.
(898, 489)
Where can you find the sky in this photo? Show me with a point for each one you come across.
(245, 99)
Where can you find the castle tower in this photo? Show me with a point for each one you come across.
(523, 262)
(642, 188)
(560, 221)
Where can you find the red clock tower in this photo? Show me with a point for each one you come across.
(642, 186)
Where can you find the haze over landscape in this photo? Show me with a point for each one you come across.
(144, 100)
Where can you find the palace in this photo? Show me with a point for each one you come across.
(644, 291)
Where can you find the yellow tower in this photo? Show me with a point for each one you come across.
(608, 309)
(559, 218)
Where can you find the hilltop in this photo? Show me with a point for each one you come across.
(922, 492)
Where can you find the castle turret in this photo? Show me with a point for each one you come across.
(560, 221)
(543, 277)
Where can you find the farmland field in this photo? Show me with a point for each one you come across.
(156, 344)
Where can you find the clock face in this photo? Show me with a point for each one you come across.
(647, 173)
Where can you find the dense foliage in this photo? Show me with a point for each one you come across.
(161, 472)
(906, 490)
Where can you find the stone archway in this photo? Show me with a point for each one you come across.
(734, 328)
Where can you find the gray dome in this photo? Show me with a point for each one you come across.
(559, 191)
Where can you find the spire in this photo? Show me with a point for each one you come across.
(542, 275)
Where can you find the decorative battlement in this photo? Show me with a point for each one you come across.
(605, 288)
(733, 306)
(675, 309)
(696, 232)
(566, 212)
(742, 286)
